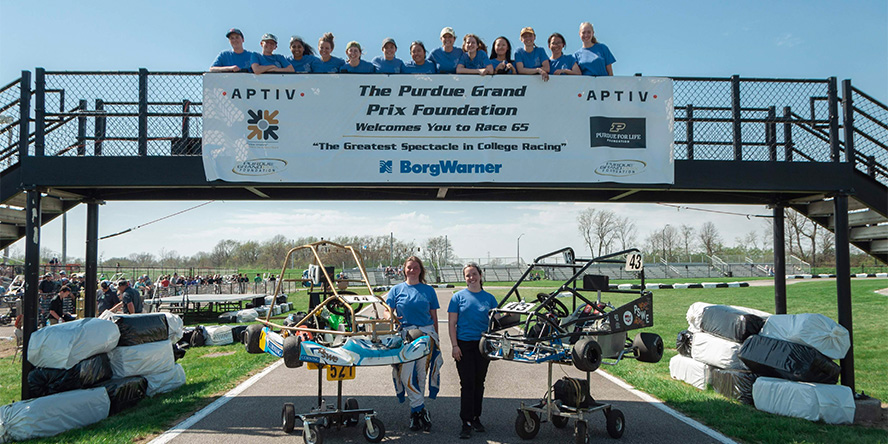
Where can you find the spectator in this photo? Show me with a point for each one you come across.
(258, 278)
(594, 59)
(474, 59)
(107, 298)
(47, 285)
(502, 56)
(130, 299)
(419, 64)
(356, 65)
(531, 59)
(303, 55)
(446, 57)
(561, 63)
(57, 312)
(387, 63)
(267, 61)
(236, 60)
(326, 63)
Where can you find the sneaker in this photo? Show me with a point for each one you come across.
(426, 419)
(466, 431)
(415, 421)
(477, 426)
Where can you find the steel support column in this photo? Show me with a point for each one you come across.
(39, 113)
(843, 283)
(92, 258)
(833, 104)
(779, 260)
(143, 112)
(848, 121)
(735, 117)
(32, 267)
(24, 114)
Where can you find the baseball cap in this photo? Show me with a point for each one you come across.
(527, 30)
(353, 43)
(389, 40)
(447, 30)
(269, 37)
(62, 272)
(234, 31)
(105, 284)
(123, 282)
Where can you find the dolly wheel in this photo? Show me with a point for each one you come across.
(312, 435)
(288, 417)
(377, 432)
(581, 432)
(616, 423)
(527, 424)
(560, 422)
(352, 419)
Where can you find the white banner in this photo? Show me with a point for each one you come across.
(439, 129)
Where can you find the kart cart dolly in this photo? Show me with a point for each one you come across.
(559, 412)
(325, 416)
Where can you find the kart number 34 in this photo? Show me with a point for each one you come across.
(634, 262)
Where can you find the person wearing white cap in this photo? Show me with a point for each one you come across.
(531, 59)
(387, 63)
(236, 60)
(355, 64)
(268, 61)
(446, 57)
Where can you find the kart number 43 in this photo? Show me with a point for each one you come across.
(634, 262)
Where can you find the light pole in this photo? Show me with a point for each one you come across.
(518, 260)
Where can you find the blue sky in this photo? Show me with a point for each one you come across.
(795, 39)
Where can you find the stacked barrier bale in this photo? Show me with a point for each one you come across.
(146, 349)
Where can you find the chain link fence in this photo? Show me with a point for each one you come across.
(10, 113)
(870, 135)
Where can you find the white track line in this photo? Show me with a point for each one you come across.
(168, 436)
(660, 405)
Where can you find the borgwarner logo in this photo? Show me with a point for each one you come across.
(259, 167)
(617, 132)
(262, 124)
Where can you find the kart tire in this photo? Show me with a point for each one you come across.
(378, 431)
(560, 422)
(485, 347)
(616, 423)
(312, 435)
(288, 417)
(251, 338)
(352, 419)
(292, 350)
(581, 432)
(648, 347)
(586, 355)
(527, 429)
(414, 334)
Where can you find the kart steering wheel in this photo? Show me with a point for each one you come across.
(555, 306)
(338, 307)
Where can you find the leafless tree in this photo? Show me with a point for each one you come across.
(599, 229)
(625, 232)
(800, 228)
(223, 251)
(438, 251)
(664, 242)
(687, 236)
(710, 239)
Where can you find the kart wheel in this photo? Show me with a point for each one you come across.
(560, 422)
(525, 428)
(292, 350)
(581, 432)
(648, 347)
(378, 430)
(251, 338)
(312, 435)
(288, 417)
(352, 419)
(616, 423)
(486, 348)
(586, 355)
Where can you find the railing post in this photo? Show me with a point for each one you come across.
(99, 128)
(771, 133)
(690, 130)
(143, 112)
(81, 128)
(24, 114)
(39, 112)
(787, 134)
(848, 121)
(186, 106)
(833, 99)
(843, 283)
(871, 166)
(735, 117)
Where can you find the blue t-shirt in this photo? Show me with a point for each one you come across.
(566, 61)
(274, 59)
(473, 310)
(426, 68)
(533, 59)
(329, 66)
(496, 63)
(364, 67)
(479, 62)
(413, 303)
(593, 61)
(383, 66)
(445, 62)
(303, 65)
(231, 58)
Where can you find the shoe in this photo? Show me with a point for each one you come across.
(415, 421)
(466, 431)
(426, 419)
(477, 426)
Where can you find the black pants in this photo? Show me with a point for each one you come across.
(472, 369)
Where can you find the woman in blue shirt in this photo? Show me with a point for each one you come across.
(446, 57)
(531, 59)
(267, 61)
(387, 63)
(474, 59)
(326, 62)
(561, 63)
(303, 55)
(356, 65)
(595, 59)
(468, 315)
(419, 64)
(502, 56)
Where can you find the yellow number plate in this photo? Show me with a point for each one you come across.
(339, 373)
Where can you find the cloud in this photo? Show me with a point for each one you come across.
(788, 40)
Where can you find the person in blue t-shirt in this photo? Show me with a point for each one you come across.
(419, 64)
(326, 62)
(354, 64)
(502, 56)
(387, 63)
(468, 315)
(561, 63)
(446, 57)
(594, 59)
(474, 59)
(236, 60)
(531, 59)
(303, 55)
(268, 61)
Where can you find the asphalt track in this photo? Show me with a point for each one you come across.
(252, 413)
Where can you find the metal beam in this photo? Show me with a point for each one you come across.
(843, 284)
(92, 258)
(779, 260)
(32, 268)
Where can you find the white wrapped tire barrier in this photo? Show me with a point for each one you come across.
(690, 371)
(218, 335)
(811, 329)
(165, 382)
(717, 352)
(141, 360)
(53, 414)
(834, 404)
(64, 345)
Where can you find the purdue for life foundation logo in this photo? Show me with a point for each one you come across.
(619, 132)
(262, 124)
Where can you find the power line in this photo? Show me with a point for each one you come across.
(748, 216)
(156, 220)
